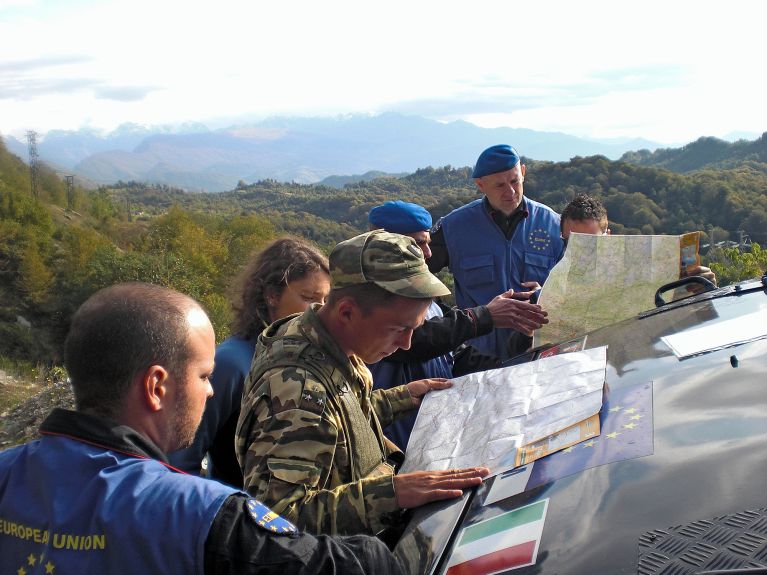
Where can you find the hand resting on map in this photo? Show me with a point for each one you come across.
(420, 487)
(421, 387)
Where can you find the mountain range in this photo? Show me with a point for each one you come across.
(711, 153)
(302, 150)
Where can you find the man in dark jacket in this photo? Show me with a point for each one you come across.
(96, 495)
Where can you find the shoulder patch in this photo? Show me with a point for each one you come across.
(268, 520)
(436, 227)
(415, 250)
(313, 397)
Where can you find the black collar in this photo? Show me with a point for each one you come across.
(496, 214)
(101, 432)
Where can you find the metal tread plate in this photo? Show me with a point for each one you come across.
(736, 541)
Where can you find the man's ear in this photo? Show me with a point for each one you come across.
(347, 310)
(154, 386)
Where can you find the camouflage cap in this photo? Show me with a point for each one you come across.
(391, 261)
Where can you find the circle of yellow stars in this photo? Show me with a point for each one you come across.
(539, 239)
(32, 561)
(634, 417)
(265, 520)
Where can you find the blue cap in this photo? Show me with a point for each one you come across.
(400, 217)
(495, 159)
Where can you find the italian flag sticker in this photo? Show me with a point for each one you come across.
(508, 541)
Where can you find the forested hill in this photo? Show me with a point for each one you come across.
(341, 181)
(638, 199)
(55, 251)
(704, 153)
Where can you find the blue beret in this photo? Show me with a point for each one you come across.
(400, 217)
(495, 159)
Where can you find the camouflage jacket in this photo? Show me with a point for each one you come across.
(309, 436)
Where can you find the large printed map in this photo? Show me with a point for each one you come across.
(486, 416)
(605, 279)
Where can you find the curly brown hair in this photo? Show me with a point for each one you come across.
(266, 274)
(584, 207)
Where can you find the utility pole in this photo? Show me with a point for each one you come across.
(33, 161)
(70, 192)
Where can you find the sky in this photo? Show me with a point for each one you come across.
(668, 71)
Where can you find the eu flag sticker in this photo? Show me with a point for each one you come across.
(627, 432)
(268, 519)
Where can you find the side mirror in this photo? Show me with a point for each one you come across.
(707, 285)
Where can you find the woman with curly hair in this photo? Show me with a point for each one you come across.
(282, 279)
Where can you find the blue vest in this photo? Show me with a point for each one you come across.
(485, 264)
(67, 507)
(388, 374)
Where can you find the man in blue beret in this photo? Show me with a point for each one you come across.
(497, 243)
(437, 348)
(400, 218)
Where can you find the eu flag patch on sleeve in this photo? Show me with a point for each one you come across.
(268, 519)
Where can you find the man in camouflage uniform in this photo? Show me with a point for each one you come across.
(309, 437)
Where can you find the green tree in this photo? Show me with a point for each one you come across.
(35, 278)
(733, 266)
(24, 209)
(243, 235)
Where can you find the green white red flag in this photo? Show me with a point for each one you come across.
(504, 542)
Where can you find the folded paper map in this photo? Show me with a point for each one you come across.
(605, 279)
(485, 417)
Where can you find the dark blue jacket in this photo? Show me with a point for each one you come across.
(80, 508)
(94, 496)
(215, 435)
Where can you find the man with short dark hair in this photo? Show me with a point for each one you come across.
(585, 214)
(309, 437)
(500, 242)
(96, 494)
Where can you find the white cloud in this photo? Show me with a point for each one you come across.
(657, 69)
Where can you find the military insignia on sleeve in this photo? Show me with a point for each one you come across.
(415, 250)
(268, 519)
(539, 239)
(313, 398)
